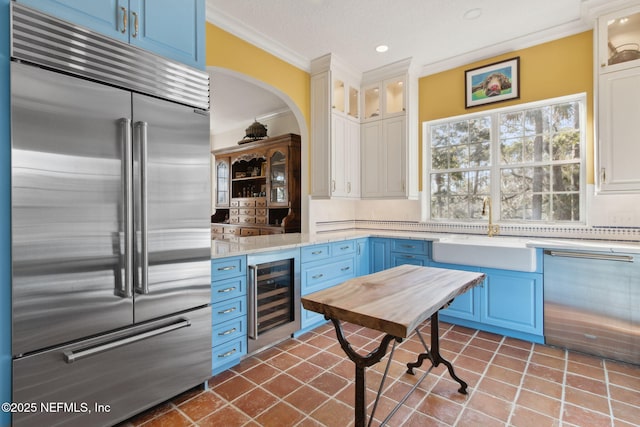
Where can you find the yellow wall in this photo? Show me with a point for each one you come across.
(228, 51)
(557, 68)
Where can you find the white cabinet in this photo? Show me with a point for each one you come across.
(345, 157)
(618, 118)
(335, 130)
(384, 99)
(618, 56)
(618, 41)
(388, 137)
(383, 152)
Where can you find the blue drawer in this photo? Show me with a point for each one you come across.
(228, 331)
(418, 247)
(224, 268)
(227, 310)
(315, 252)
(326, 275)
(222, 290)
(343, 248)
(228, 354)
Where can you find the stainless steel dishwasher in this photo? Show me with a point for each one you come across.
(592, 303)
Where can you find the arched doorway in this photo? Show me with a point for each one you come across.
(242, 99)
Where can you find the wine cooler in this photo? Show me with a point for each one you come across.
(273, 298)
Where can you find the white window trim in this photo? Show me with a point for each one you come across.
(495, 166)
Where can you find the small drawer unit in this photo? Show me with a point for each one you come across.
(323, 266)
(406, 251)
(228, 311)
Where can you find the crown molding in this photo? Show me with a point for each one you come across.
(507, 46)
(239, 29)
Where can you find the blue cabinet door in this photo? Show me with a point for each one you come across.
(109, 17)
(513, 300)
(380, 253)
(465, 306)
(174, 29)
(363, 262)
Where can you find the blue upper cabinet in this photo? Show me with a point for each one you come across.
(171, 28)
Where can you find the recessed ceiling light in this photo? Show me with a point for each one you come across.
(472, 14)
(382, 48)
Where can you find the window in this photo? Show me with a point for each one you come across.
(529, 158)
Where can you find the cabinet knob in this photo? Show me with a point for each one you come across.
(604, 64)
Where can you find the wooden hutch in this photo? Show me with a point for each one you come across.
(257, 188)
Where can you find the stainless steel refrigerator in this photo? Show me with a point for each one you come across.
(110, 225)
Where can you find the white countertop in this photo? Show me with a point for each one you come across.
(275, 242)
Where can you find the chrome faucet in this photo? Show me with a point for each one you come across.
(493, 229)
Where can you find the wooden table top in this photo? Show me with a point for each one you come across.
(394, 301)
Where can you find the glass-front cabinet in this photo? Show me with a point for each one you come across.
(384, 99)
(278, 181)
(222, 182)
(619, 39)
(346, 98)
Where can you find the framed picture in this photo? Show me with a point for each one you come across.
(491, 83)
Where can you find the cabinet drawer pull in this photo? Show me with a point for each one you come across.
(408, 246)
(345, 268)
(124, 20)
(230, 310)
(230, 331)
(224, 291)
(409, 256)
(227, 268)
(317, 276)
(316, 252)
(135, 24)
(228, 353)
(344, 248)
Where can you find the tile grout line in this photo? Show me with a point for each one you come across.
(608, 384)
(563, 394)
(522, 378)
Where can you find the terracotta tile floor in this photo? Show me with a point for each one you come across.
(308, 381)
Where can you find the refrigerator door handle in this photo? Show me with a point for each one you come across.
(143, 286)
(252, 306)
(74, 356)
(126, 290)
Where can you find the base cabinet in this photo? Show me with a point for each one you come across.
(324, 266)
(507, 302)
(228, 311)
(387, 253)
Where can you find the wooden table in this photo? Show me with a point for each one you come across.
(394, 301)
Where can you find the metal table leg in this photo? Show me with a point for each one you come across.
(434, 354)
(362, 362)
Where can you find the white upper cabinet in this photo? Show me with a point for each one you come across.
(618, 109)
(335, 129)
(388, 136)
(384, 99)
(619, 40)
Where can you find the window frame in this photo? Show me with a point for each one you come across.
(495, 167)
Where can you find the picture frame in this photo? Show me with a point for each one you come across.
(491, 83)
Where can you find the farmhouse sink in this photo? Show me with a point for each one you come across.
(507, 253)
